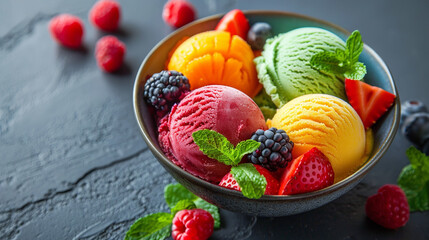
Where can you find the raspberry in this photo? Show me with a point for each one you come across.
(105, 15)
(195, 224)
(177, 13)
(275, 150)
(109, 53)
(162, 90)
(389, 207)
(67, 30)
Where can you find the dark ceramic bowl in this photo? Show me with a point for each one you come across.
(384, 130)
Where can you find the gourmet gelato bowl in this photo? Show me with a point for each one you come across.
(268, 205)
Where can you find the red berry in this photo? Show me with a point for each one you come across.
(67, 30)
(177, 13)
(370, 102)
(109, 53)
(228, 181)
(105, 15)
(309, 172)
(234, 22)
(389, 207)
(194, 224)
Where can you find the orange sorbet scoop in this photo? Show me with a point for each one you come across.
(216, 57)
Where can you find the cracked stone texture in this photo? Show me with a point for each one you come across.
(74, 166)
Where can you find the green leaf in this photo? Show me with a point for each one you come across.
(418, 159)
(327, 62)
(354, 47)
(414, 180)
(183, 204)
(173, 193)
(245, 147)
(356, 72)
(251, 182)
(215, 145)
(155, 226)
(212, 209)
(341, 56)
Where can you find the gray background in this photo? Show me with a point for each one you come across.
(73, 164)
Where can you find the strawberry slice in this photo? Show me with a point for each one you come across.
(370, 102)
(309, 172)
(235, 23)
(272, 188)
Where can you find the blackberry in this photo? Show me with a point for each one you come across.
(162, 90)
(275, 150)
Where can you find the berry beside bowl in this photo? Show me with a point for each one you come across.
(383, 130)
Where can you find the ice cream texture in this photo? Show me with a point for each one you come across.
(217, 58)
(215, 107)
(328, 123)
(284, 67)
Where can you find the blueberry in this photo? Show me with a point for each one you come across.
(258, 34)
(411, 106)
(416, 128)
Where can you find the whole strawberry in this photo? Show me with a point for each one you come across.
(109, 53)
(309, 172)
(67, 30)
(177, 13)
(194, 224)
(389, 207)
(105, 15)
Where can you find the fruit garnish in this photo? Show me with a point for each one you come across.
(105, 15)
(370, 102)
(162, 90)
(414, 180)
(342, 62)
(110, 53)
(217, 146)
(275, 150)
(389, 207)
(67, 30)
(416, 129)
(178, 13)
(258, 34)
(410, 107)
(309, 172)
(235, 23)
(159, 225)
(228, 181)
(194, 224)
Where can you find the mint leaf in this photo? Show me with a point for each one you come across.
(356, 72)
(245, 147)
(183, 204)
(354, 47)
(212, 209)
(215, 145)
(327, 62)
(155, 226)
(418, 159)
(251, 182)
(414, 180)
(173, 193)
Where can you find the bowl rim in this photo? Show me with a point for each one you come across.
(360, 173)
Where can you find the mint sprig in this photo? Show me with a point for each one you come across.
(217, 146)
(157, 226)
(251, 182)
(342, 62)
(414, 180)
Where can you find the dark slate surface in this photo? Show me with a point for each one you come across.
(74, 166)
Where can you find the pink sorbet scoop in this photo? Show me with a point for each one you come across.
(219, 108)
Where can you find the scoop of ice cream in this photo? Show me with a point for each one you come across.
(216, 58)
(219, 108)
(284, 67)
(328, 123)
